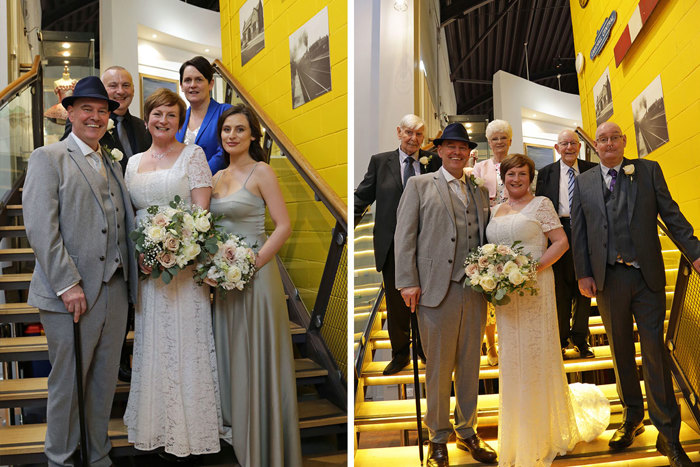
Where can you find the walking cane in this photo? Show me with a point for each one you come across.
(416, 390)
(81, 401)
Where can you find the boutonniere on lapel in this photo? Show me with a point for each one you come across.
(110, 126)
(114, 154)
(425, 160)
(629, 171)
(476, 181)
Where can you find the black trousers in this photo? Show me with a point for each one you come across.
(398, 314)
(625, 298)
(573, 309)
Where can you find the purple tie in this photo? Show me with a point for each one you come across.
(613, 179)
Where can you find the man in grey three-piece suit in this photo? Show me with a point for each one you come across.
(441, 217)
(617, 257)
(78, 215)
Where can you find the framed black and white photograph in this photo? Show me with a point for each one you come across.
(150, 83)
(252, 29)
(602, 96)
(649, 113)
(310, 60)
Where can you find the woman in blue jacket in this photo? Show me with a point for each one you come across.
(197, 81)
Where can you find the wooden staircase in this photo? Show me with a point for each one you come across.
(24, 443)
(385, 430)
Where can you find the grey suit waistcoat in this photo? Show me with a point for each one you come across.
(117, 253)
(619, 235)
(467, 232)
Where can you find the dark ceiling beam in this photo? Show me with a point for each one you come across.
(458, 9)
(66, 9)
(477, 101)
(487, 82)
(473, 48)
(530, 20)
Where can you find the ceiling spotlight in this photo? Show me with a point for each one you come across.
(65, 54)
(206, 50)
(469, 125)
(66, 62)
(154, 35)
(400, 5)
(65, 45)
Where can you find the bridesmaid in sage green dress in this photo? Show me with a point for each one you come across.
(251, 330)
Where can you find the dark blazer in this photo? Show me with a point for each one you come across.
(139, 137)
(647, 198)
(548, 178)
(206, 137)
(382, 183)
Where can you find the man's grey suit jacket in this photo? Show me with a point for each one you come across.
(647, 198)
(65, 218)
(425, 239)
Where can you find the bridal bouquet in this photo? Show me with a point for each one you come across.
(499, 270)
(232, 266)
(171, 238)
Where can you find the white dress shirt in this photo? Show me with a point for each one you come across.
(563, 208)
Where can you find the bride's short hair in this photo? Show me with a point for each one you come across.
(515, 161)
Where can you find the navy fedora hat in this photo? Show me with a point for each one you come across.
(90, 87)
(455, 132)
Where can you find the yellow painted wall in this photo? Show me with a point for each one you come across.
(668, 45)
(317, 128)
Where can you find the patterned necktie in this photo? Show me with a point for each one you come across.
(123, 137)
(572, 177)
(460, 189)
(613, 179)
(95, 161)
(408, 171)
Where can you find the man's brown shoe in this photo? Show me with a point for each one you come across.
(624, 436)
(477, 447)
(437, 455)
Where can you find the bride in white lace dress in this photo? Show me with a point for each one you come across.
(174, 400)
(540, 415)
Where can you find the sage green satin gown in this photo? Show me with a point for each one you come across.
(254, 350)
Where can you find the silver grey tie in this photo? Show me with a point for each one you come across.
(95, 161)
(123, 137)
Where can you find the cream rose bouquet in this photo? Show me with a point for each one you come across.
(231, 267)
(500, 270)
(173, 237)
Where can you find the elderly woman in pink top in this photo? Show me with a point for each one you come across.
(499, 135)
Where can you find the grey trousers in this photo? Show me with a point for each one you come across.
(625, 296)
(102, 334)
(451, 334)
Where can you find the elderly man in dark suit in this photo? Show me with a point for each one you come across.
(617, 256)
(556, 182)
(78, 216)
(384, 182)
(127, 133)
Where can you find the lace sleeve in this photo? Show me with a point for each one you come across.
(131, 167)
(198, 171)
(546, 215)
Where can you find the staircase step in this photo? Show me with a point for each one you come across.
(642, 452)
(14, 209)
(17, 254)
(25, 392)
(372, 373)
(319, 413)
(30, 348)
(12, 231)
(18, 313)
(15, 281)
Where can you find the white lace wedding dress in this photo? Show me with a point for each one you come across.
(174, 397)
(540, 415)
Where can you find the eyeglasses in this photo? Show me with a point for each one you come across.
(611, 139)
(567, 143)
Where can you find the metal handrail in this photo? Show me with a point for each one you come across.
(360, 358)
(21, 83)
(320, 187)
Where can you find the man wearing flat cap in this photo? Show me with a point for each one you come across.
(441, 217)
(78, 215)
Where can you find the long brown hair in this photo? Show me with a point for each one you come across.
(255, 150)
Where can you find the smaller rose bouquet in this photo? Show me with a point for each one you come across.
(499, 270)
(171, 238)
(232, 266)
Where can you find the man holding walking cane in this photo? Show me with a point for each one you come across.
(78, 215)
(441, 217)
